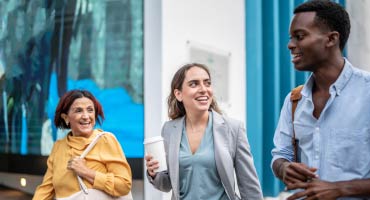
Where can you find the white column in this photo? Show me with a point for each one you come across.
(359, 39)
(152, 79)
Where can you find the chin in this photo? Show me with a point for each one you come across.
(204, 108)
(299, 67)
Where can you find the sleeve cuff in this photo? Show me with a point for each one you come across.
(99, 181)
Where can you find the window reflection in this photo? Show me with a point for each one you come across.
(50, 46)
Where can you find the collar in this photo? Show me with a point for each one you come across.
(80, 143)
(337, 86)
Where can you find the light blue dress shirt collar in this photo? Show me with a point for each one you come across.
(337, 86)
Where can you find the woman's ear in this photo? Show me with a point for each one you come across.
(65, 117)
(333, 39)
(178, 95)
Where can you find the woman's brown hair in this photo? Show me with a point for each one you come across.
(175, 108)
(67, 100)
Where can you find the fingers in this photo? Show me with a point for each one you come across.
(292, 174)
(298, 172)
(148, 157)
(298, 185)
(297, 195)
(291, 180)
(151, 165)
(305, 171)
(75, 162)
(70, 163)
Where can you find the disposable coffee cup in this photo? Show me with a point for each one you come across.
(154, 146)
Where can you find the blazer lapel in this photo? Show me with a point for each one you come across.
(222, 155)
(173, 154)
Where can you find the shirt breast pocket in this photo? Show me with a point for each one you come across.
(351, 150)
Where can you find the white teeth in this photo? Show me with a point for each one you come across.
(202, 98)
(296, 55)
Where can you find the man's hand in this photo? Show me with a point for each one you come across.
(291, 172)
(315, 189)
(297, 172)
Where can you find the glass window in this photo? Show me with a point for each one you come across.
(50, 47)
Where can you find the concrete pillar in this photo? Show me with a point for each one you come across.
(359, 39)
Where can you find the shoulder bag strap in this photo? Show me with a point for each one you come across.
(295, 96)
(87, 150)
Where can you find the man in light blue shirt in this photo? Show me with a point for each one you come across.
(332, 119)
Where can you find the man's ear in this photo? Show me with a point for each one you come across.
(333, 39)
(178, 95)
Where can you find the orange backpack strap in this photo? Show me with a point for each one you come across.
(295, 96)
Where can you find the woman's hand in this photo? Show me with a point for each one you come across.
(78, 166)
(151, 165)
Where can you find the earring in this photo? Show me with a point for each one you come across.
(67, 123)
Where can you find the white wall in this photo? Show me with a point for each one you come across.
(359, 39)
(216, 24)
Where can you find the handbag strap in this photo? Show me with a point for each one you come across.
(87, 150)
(295, 96)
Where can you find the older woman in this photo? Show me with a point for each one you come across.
(104, 168)
(203, 148)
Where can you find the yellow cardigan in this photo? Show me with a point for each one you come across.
(113, 173)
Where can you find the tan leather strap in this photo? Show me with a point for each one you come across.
(295, 96)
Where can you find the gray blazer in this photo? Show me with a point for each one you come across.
(232, 152)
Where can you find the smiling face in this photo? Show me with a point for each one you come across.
(196, 92)
(308, 43)
(81, 117)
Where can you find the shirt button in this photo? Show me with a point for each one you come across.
(316, 157)
(317, 129)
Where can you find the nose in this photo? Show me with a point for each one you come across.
(202, 87)
(85, 114)
(291, 44)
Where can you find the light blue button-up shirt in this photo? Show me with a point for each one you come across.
(338, 143)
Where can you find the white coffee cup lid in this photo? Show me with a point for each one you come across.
(153, 139)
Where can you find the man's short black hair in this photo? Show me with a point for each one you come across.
(330, 14)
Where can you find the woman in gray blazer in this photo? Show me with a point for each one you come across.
(203, 148)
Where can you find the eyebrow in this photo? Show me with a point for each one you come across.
(197, 80)
(77, 107)
(299, 31)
